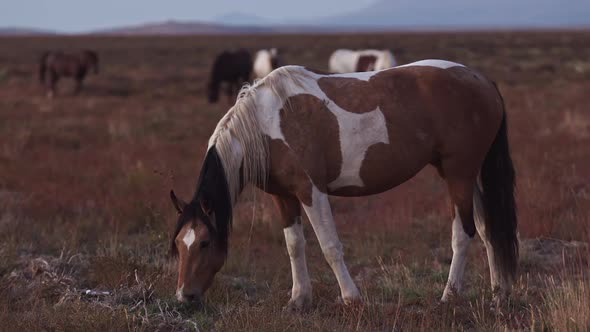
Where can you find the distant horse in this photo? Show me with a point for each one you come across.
(55, 64)
(266, 61)
(232, 67)
(301, 135)
(348, 61)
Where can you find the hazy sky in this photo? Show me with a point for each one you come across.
(84, 15)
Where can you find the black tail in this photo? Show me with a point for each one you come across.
(43, 67)
(497, 178)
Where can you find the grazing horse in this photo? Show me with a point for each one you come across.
(232, 67)
(265, 62)
(302, 135)
(55, 64)
(348, 61)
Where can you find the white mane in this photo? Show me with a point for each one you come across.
(240, 138)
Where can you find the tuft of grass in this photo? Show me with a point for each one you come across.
(566, 304)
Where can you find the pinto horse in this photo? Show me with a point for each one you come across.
(348, 61)
(55, 64)
(231, 67)
(265, 62)
(302, 135)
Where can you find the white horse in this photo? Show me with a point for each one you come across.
(265, 62)
(347, 61)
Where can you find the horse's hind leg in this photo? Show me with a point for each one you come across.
(461, 191)
(290, 210)
(320, 216)
(500, 285)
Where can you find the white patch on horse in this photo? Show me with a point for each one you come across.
(460, 244)
(320, 217)
(179, 295)
(189, 238)
(358, 132)
(270, 115)
(443, 64)
(363, 76)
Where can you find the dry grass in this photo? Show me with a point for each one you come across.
(84, 204)
(567, 304)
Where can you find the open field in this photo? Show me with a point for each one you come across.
(84, 205)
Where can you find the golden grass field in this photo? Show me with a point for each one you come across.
(84, 204)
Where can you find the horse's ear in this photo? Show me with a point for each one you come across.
(206, 206)
(178, 203)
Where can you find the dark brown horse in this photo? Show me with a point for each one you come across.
(301, 136)
(232, 68)
(56, 64)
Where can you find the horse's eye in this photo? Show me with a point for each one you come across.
(203, 244)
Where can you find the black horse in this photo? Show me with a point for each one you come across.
(231, 67)
(55, 64)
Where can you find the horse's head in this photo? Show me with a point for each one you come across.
(200, 240)
(200, 251)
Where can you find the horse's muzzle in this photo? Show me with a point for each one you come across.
(189, 298)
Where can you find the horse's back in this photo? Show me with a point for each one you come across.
(456, 100)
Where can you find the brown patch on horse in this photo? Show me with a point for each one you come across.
(366, 63)
(321, 160)
(287, 177)
(289, 209)
(351, 94)
(295, 165)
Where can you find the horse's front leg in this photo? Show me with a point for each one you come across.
(320, 216)
(290, 211)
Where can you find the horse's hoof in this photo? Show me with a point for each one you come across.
(297, 305)
(500, 298)
(349, 301)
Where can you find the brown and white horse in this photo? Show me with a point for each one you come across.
(301, 136)
(348, 61)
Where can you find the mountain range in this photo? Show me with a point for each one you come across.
(382, 15)
(469, 13)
